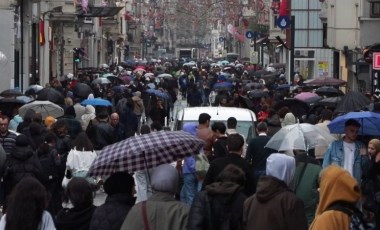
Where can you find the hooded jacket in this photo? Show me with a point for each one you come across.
(220, 206)
(275, 206)
(336, 184)
(22, 162)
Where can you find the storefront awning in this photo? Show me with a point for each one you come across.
(97, 11)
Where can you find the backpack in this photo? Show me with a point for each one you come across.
(49, 169)
(357, 221)
(201, 164)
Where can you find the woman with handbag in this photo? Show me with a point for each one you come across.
(80, 159)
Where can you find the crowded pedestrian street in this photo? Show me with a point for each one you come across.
(189, 115)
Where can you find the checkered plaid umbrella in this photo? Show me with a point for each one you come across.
(145, 151)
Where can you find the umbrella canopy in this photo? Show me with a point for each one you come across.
(165, 75)
(50, 94)
(331, 102)
(308, 97)
(252, 85)
(298, 108)
(139, 70)
(158, 93)
(283, 87)
(7, 105)
(96, 102)
(82, 90)
(222, 85)
(114, 79)
(101, 81)
(352, 101)
(325, 81)
(33, 89)
(151, 85)
(328, 91)
(299, 136)
(149, 75)
(369, 121)
(11, 93)
(145, 151)
(45, 108)
(258, 94)
(25, 99)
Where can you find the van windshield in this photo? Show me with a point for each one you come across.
(243, 127)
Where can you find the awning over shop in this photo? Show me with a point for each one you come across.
(98, 11)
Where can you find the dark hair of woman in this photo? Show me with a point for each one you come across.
(26, 204)
(80, 193)
(59, 125)
(83, 143)
(44, 147)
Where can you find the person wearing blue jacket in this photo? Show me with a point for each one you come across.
(191, 184)
(348, 153)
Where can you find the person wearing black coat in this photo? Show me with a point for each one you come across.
(220, 206)
(257, 154)
(235, 144)
(22, 162)
(111, 214)
(80, 194)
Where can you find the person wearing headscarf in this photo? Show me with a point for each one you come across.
(275, 206)
(336, 186)
(89, 114)
(161, 210)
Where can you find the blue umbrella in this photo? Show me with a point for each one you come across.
(96, 102)
(222, 85)
(369, 121)
(158, 93)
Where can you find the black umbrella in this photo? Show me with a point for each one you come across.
(50, 94)
(328, 91)
(330, 102)
(33, 90)
(352, 101)
(82, 90)
(258, 94)
(7, 105)
(298, 108)
(11, 93)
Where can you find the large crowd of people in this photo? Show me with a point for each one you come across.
(44, 160)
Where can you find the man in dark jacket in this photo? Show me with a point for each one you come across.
(235, 144)
(220, 144)
(7, 139)
(257, 154)
(111, 214)
(102, 133)
(74, 126)
(119, 128)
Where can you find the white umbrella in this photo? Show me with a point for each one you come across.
(299, 136)
(45, 108)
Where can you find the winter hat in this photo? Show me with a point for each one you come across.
(138, 93)
(49, 121)
(70, 111)
(22, 140)
(69, 94)
(120, 182)
(164, 179)
(281, 166)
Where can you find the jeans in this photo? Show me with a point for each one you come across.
(191, 186)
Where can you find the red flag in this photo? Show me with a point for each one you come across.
(245, 23)
(283, 8)
(41, 37)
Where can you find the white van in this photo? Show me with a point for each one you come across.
(245, 118)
